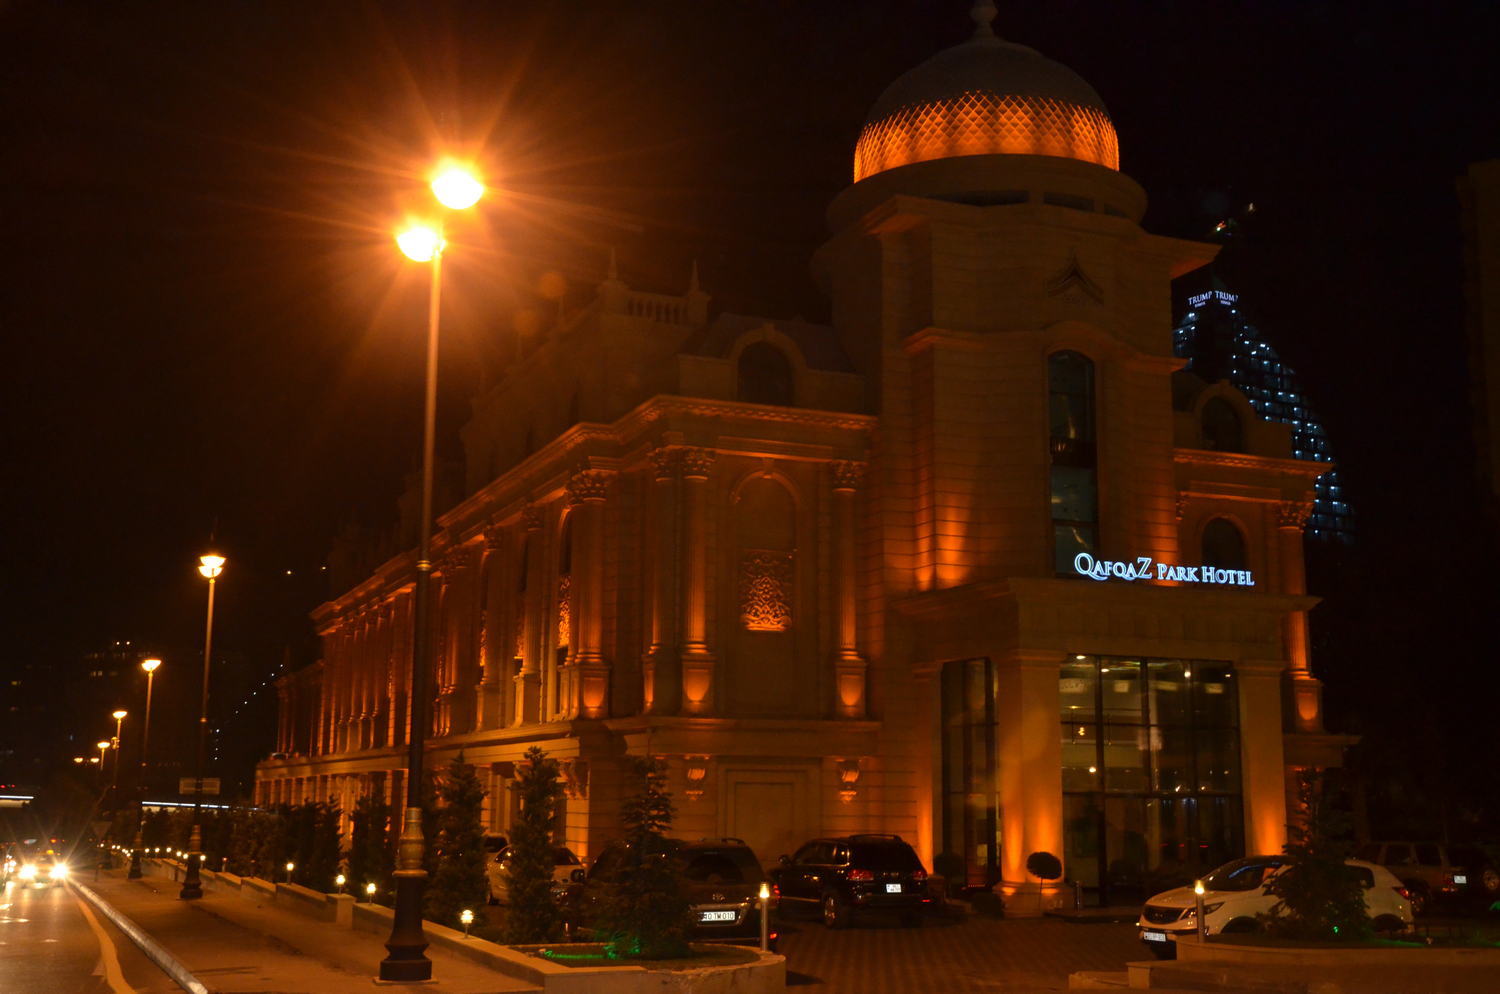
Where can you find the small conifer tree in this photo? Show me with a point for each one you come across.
(645, 909)
(459, 882)
(533, 915)
(1320, 897)
(370, 845)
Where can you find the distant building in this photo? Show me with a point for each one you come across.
(975, 563)
(1220, 343)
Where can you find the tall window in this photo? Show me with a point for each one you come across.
(1151, 773)
(1075, 464)
(764, 376)
(1223, 545)
(971, 827)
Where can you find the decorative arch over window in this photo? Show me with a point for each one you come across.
(1222, 429)
(1224, 545)
(1072, 433)
(764, 376)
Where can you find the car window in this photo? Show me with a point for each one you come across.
(564, 857)
(807, 854)
(840, 856)
(1241, 874)
(1397, 854)
(1427, 854)
(1363, 875)
(714, 868)
(885, 856)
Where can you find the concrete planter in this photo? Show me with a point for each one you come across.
(1250, 950)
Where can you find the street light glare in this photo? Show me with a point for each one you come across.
(119, 715)
(150, 665)
(456, 187)
(101, 746)
(211, 565)
(420, 243)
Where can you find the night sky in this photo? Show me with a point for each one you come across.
(211, 336)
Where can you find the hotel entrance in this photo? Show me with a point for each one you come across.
(1150, 773)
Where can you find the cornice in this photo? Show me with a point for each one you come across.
(1244, 460)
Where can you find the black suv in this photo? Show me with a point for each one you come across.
(721, 879)
(836, 877)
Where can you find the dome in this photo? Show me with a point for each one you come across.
(986, 97)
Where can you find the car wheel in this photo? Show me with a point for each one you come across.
(1419, 898)
(835, 911)
(911, 919)
(1489, 880)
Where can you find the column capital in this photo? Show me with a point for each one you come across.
(589, 486)
(696, 463)
(1292, 514)
(848, 476)
(664, 462)
(531, 517)
(494, 537)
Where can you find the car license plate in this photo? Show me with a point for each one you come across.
(717, 916)
(1460, 878)
(1151, 935)
(893, 888)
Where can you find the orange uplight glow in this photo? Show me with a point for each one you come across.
(978, 123)
(420, 243)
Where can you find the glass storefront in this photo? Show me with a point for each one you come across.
(970, 823)
(1150, 771)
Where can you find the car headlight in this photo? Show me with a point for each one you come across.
(59, 871)
(28, 872)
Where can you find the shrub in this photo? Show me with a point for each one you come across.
(533, 915)
(1319, 896)
(371, 845)
(645, 909)
(459, 882)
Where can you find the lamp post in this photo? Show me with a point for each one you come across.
(150, 666)
(103, 747)
(119, 716)
(456, 189)
(210, 566)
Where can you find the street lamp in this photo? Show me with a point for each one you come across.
(457, 189)
(119, 716)
(102, 747)
(150, 666)
(210, 566)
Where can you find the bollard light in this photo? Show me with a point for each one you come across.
(289, 868)
(339, 880)
(466, 917)
(370, 892)
(765, 917)
(1198, 908)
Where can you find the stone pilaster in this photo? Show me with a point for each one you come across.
(588, 686)
(697, 657)
(528, 693)
(849, 665)
(662, 669)
(1304, 692)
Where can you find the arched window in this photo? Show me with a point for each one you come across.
(1075, 468)
(1224, 545)
(764, 376)
(1221, 426)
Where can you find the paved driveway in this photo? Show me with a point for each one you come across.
(943, 956)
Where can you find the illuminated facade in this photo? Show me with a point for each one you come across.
(1220, 343)
(831, 573)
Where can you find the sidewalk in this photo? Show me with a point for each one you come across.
(236, 944)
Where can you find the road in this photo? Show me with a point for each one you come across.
(51, 942)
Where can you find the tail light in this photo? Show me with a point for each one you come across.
(775, 890)
(919, 876)
(1405, 894)
(861, 874)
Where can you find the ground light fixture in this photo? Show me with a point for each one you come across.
(339, 882)
(370, 892)
(289, 868)
(765, 917)
(455, 188)
(466, 918)
(1198, 907)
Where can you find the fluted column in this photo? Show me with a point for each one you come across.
(528, 695)
(494, 654)
(588, 685)
(662, 670)
(849, 666)
(1304, 691)
(697, 657)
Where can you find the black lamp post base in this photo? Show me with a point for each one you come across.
(192, 883)
(406, 962)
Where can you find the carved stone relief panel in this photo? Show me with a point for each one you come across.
(766, 590)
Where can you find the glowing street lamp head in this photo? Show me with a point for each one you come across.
(119, 715)
(211, 565)
(456, 187)
(420, 243)
(101, 746)
(150, 665)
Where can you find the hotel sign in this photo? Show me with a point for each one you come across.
(1143, 568)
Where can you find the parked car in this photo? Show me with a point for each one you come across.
(721, 877)
(1437, 873)
(1235, 893)
(564, 866)
(837, 877)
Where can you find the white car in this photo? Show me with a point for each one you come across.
(1236, 892)
(564, 863)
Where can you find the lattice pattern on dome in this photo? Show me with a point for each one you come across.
(979, 123)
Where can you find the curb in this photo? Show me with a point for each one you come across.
(154, 951)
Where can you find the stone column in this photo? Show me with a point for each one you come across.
(494, 652)
(661, 672)
(1029, 745)
(463, 657)
(697, 658)
(400, 673)
(589, 687)
(849, 666)
(528, 695)
(1304, 692)
(1263, 770)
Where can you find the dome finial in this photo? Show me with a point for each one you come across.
(983, 12)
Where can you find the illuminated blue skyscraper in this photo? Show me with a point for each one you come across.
(1220, 343)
